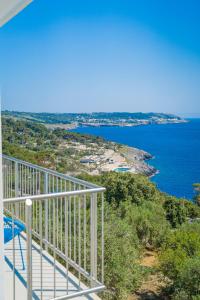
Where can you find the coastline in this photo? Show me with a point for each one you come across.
(75, 125)
(137, 161)
(117, 157)
(129, 124)
(173, 148)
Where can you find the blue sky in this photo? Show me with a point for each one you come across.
(102, 55)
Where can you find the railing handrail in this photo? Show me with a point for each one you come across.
(53, 195)
(81, 293)
(52, 172)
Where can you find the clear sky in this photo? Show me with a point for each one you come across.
(102, 55)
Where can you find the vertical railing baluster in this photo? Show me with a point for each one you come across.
(66, 242)
(36, 204)
(84, 231)
(29, 247)
(61, 221)
(49, 210)
(23, 190)
(74, 225)
(57, 221)
(5, 180)
(41, 265)
(93, 237)
(70, 228)
(46, 190)
(25, 179)
(17, 186)
(79, 238)
(13, 245)
(33, 181)
(9, 180)
(54, 252)
(102, 237)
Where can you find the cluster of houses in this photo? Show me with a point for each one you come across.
(97, 159)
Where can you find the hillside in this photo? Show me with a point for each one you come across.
(69, 152)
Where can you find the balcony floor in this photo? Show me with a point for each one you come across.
(47, 277)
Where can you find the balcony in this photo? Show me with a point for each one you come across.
(60, 253)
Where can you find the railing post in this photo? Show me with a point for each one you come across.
(46, 190)
(93, 238)
(29, 247)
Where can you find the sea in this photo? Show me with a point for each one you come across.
(175, 148)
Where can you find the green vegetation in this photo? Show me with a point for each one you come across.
(179, 211)
(180, 261)
(134, 219)
(137, 215)
(54, 149)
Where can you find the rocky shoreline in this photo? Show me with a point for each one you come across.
(137, 161)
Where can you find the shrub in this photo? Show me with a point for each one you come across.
(122, 272)
(148, 221)
(180, 260)
(179, 210)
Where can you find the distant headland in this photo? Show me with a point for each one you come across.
(74, 120)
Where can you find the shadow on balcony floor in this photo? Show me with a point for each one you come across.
(43, 281)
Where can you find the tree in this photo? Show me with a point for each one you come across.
(123, 274)
(179, 211)
(180, 260)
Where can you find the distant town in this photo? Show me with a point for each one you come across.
(73, 120)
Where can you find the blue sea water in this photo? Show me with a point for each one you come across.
(176, 148)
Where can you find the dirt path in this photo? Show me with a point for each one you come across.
(153, 285)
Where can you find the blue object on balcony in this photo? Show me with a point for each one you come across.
(11, 230)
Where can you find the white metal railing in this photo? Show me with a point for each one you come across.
(64, 218)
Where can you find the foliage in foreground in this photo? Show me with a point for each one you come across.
(138, 216)
(179, 211)
(122, 272)
(180, 261)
